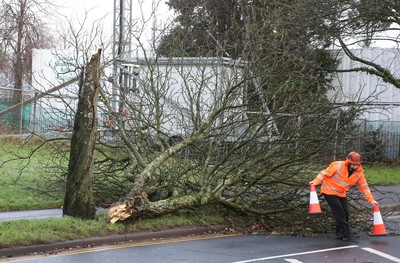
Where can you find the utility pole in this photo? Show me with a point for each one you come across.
(122, 47)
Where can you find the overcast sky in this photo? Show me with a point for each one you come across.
(75, 10)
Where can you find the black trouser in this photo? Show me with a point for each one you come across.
(341, 214)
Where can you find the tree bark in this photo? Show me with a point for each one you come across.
(18, 68)
(78, 201)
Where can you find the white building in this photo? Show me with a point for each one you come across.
(173, 96)
(180, 94)
(382, 99)
(55, 111)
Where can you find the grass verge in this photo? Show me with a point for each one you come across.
(15, 194)
(51, 230)
(383, 176)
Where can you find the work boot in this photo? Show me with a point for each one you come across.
(350, 238)
(339, 234)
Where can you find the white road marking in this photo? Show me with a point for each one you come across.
(292, 260)
(297, 254)
(384, 255)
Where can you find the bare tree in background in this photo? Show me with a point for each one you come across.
(22, 30)
(57, 102)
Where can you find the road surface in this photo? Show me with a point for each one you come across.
(236, 249)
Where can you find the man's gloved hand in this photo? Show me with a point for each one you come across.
(374, 202)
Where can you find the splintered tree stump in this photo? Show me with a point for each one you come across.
(78, 201)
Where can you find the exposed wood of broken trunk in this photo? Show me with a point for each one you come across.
(78, 200)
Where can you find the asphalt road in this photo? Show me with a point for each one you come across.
(387, 195)
(30, 214)
(237, 249)
(34, 214)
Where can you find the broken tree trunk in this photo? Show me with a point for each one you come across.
(78, 201)
(140, 203)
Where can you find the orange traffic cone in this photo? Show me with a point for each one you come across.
(314, 203)
(379, 227)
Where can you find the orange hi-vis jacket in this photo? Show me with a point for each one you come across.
(336, 181)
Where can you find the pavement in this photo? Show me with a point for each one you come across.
(36, 214)
(388, 197)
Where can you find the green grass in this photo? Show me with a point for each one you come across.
(16, 183)
(383, 176)
(15, 193)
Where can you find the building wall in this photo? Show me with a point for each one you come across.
(190, 89)
(179, 79)
(54, 111)
(382, 99)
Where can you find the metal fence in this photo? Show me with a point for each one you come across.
(44, 115)
(380, 140)
(390, 144)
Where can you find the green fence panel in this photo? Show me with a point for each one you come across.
(7, 118)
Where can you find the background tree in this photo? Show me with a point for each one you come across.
(22, 30)
(279, 32)
(297, 41)
(354, 24)
(54, 107)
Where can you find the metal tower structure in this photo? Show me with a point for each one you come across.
(122, 47)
